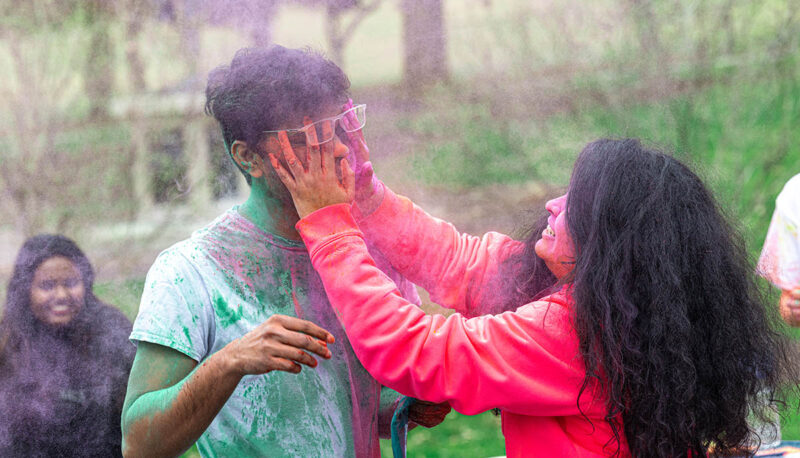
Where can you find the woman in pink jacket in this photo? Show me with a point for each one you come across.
(654, 341)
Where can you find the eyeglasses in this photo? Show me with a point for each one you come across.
(349, 121)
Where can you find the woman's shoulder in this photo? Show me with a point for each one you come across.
(562, 297)
(549, 321)
(553, 309)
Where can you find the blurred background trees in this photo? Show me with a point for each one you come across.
(103, 130)
(477, 108)
(102, 122)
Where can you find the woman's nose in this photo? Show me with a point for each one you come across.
(552, 207)
(61, 292)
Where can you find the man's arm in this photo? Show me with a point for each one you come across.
(171, 399)
(154, 404)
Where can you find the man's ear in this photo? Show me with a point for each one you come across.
(249, 160)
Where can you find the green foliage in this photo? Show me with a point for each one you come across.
(741, 138)
(123, 294)
(478, 154)
(457, 436)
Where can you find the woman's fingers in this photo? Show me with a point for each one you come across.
(295, 167)
(365, 174)
(328, 162)
(347, 105)
(348, 179)
(312, 141)
(283, 174)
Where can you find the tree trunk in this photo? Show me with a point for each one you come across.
(424, 40)
(133, 26)
(261, 23)
(98, 78)
(333, 32)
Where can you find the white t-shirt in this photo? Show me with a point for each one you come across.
(780, 257)
(229, 277)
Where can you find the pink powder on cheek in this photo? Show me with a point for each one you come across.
(558, 252)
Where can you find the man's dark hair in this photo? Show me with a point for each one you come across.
(263, 88)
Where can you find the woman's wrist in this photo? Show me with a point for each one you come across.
(368, 202)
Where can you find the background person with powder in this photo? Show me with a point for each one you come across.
(64, 357)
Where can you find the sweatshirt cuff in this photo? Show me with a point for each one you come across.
(391, 205)
(325, 225)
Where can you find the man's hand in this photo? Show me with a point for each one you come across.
(790, 306)
(318, 186)
(280, 343)
(428, 414)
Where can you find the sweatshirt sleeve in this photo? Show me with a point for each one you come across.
(524, 361)
(460, 271)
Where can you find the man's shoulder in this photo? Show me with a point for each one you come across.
(216, 235)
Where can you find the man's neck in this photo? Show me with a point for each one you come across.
(269, 213)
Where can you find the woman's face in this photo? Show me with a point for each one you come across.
(57, 292)
(556, 247)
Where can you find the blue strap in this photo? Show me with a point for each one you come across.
(400, 426)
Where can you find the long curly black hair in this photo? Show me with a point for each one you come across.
(672, 323)
(671, 320)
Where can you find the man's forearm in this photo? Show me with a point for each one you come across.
(167, 422)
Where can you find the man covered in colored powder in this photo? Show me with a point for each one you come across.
(228, 315)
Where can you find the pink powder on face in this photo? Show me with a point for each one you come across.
(556, 247)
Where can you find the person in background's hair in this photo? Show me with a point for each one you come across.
(656, 342)
(230, 314)
(64, 357)
(780, 257)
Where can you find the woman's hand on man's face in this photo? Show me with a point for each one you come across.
(366, 182)
(316, 185)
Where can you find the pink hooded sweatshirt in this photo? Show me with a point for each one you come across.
(525, 362)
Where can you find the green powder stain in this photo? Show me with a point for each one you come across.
(227, 315)
(188, 337)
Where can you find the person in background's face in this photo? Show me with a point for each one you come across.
(556, 247)
(57, 291)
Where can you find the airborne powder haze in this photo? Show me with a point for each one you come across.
(475, 110)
